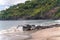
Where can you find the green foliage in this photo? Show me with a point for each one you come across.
(29, 8)
(57, 14)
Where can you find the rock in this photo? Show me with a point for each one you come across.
(33, 27)
(27, 27)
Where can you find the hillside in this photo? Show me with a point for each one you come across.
(34, 9)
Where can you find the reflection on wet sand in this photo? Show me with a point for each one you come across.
(13, 34)
(13, 37)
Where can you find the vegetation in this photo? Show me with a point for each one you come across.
(34, 9)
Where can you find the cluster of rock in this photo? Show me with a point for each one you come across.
(26, 27)
(34, 27)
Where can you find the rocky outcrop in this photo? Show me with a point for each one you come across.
(34, 27)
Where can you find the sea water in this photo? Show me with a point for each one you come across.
(15, 23)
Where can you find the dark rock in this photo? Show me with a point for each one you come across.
(38, 27)
(34, 27)
(27, 27)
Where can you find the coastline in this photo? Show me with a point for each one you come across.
(29, 35)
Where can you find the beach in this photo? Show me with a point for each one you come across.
(41, 34)
(47, 34)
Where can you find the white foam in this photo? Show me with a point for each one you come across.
(12, 30)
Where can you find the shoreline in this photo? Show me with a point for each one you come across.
(15, 29)
(13, 34)
(31, 34)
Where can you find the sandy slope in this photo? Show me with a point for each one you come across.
(47, 34)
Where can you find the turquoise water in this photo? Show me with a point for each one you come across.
(9, 24)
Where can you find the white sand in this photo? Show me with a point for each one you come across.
(47, 34)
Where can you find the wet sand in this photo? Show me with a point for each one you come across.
(13, 37)
(13, 34)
